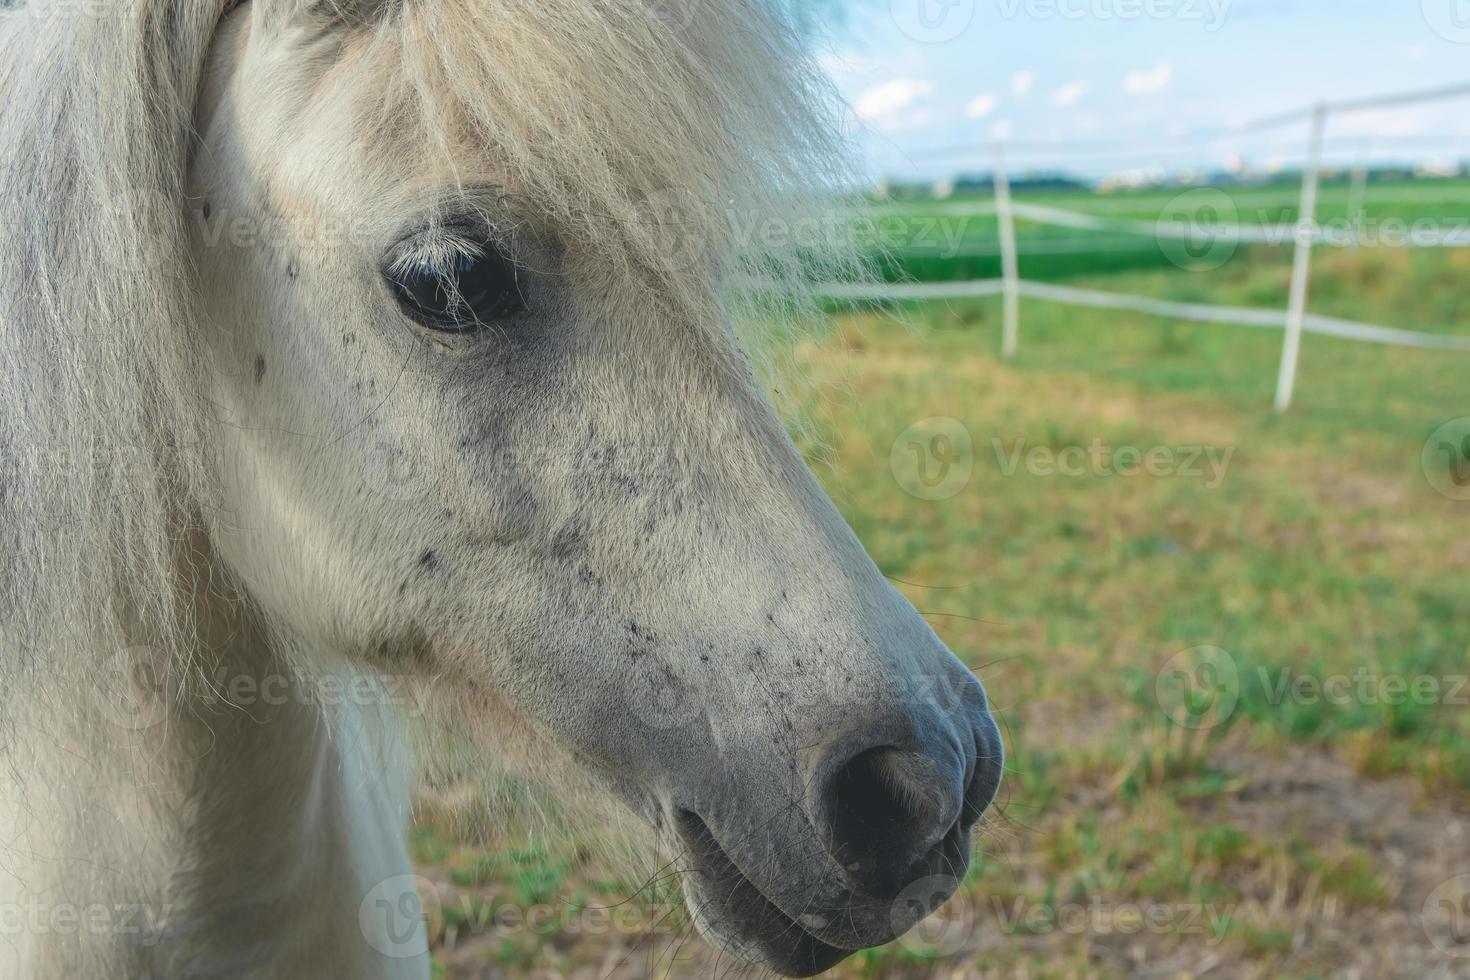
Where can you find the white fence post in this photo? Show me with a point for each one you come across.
(1009, 266)
(1301, 270)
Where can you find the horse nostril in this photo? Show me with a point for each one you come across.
(887, 809)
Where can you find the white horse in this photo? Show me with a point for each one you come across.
(371, 355)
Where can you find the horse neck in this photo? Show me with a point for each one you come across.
(240, 816)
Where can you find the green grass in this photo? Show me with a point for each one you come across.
(1322, 551)
(1204, 566)
(936, 242)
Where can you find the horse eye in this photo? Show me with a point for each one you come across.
(461, 294)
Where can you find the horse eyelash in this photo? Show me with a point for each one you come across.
(435, 251)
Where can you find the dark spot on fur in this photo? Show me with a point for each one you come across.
(398, 648)
(429, 561)
(207, 210)
(704, 657)
(568, 545)
(291, 270)
(259, 368)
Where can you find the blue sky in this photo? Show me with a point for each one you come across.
(922, 74)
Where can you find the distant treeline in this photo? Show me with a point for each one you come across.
(966, 185)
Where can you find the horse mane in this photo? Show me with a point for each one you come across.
(102, 419)
(615, 121)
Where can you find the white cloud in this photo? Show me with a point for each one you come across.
(1070, 94)
(980, 106)
(1149, 81)
(1002, 130)
(884, 102)
(1023, 81)
(917, 120)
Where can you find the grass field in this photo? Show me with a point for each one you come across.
(943, 241)
(1233, 683)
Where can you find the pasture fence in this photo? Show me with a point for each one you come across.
(1303, 235)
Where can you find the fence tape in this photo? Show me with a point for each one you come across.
(1422, 233)
(1099, 299)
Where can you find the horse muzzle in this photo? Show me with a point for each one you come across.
(877, 839)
